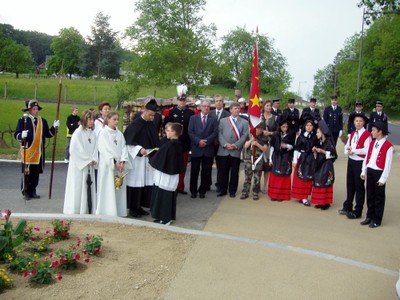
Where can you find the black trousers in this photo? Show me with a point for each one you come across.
(228, 174)
(355, 187)
(335, 136)
(32, 179)
(205, 164)
(376, 196)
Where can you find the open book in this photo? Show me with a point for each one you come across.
(151, 152)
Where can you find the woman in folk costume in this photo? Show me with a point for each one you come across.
(80, 190)
(167, 164)
(281, 156)
(324, 176)
(304, 162)
(113, 160)
(270, 128)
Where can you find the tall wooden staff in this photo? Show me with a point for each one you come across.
(55, 134)
(26, 166)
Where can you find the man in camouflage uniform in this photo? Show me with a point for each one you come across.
(253, 166)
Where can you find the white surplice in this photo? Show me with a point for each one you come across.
(143, 173)
(112, 148)
(83, 150)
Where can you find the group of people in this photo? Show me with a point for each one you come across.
(115, 173)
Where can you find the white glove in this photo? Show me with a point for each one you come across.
(56, 123)
(24, 134)
(340, 133)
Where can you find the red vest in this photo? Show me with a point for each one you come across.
(360, 143)
(381, 158)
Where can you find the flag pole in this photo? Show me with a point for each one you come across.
(55, 133)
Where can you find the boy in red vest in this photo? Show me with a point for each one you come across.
(375, 169)
(356, 149)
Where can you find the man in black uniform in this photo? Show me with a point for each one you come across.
(292, 114)
(350, 124)
(333, 116)
(72, 124)
(311, 111)
(275, 107)
(181, 114)
(378, 115)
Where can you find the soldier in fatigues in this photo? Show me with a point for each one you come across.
(333, 117)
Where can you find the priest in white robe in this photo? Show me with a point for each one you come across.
(80, 189)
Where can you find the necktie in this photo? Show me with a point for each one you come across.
(204, 122)
(217, 115)
(35, 120)
(376, 145)
(379, 114)
(357, 137)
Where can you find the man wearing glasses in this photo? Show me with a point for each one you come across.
(203, 129)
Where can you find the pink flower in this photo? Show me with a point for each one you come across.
(79, 242)
(51, 255)
(37, 228)
(48, 231)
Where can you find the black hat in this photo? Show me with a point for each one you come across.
(362, 115)
(324, 128)
(334, 97)
(31, 103)
(359, 103)
(290, 100)
(151, 105)
(379, 103)
(381, 126)
(276, 100)
(313, 100)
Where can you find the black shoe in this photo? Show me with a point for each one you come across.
(135, 214)
(193, 196)
(221, 194)
(374, 225)
(232, 195)
(27, 197)
(181, 192)
(366, 221)
(156, 221)
(318, 206)
(202, 196)
(343, 211)
(353, 215)
(34, 196)
(143, 212)
(325, 207)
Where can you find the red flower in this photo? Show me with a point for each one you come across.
(26, 274)
(63, 259)
(77, 256)
(51, 255)
(55, 230)
(59, 276)
(63, 233)
(35, 264)
(54, 264)
(33, 272)
(87, 259)
(97, 250)
(84, 252)
(79, 242)
(48, 231)
(37, 228)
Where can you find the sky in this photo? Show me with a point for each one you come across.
(308, 33)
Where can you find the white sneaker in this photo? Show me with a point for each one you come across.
(66, 161)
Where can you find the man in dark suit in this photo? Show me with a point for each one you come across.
(333, 116)
(378, 115)
(350, 124)
(275, 107)
(181, 114)
(219, 113)
(311, 111)
(203, 129)
(292, 114)
(233, 132)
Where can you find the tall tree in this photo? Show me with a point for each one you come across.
(15, 58)
(171, 44)
(237, 53)
(376, 8)
(102, 55)
(67, 47)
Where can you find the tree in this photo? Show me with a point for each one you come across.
(171, 45)
(237, 54)
(376, 8)
(15, 58)
(67, 48)
(103, 51)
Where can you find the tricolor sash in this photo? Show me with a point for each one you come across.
(235, 127)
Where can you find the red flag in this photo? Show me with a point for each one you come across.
(254, 109)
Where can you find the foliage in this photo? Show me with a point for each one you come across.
(68, 258)
(42, 272)
(21, 261)
(67, 47)
(237, 56)
(15, 58)
(92, 244)
(42, 245)
(376, 8)
(10, 237)
(61, 229)
(171, 44)
(103, 53)
(5, 281)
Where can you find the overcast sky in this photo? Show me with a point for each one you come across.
(308, 33)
